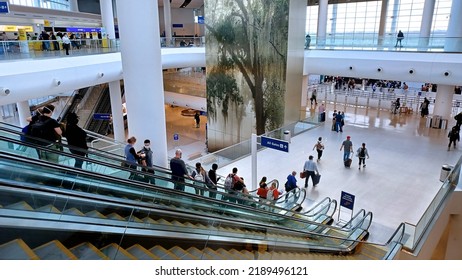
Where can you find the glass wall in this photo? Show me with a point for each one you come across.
(357, 21)
(46, 4)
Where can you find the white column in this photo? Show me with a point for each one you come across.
(383, 22)
(142, 66)
(304, 91)
(117, 114)
(168, 22)
(322, 23)
(453, 41)
(73, 5)
(107, 17)
(426, 24)
(443, 101)
(394, 20)
(23, 112)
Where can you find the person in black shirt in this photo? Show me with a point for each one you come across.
(76, 137)
(51, 133)
(179, 171)
(213, 177)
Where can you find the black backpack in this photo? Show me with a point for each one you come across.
(362, 152)
(38, 130)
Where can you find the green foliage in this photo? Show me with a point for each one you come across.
(222, 90)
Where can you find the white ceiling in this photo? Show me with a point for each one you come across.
(194, 4)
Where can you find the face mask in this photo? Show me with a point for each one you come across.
(147, 147)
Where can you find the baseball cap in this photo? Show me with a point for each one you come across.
(348, 137)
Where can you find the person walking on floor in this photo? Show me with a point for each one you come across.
(310, 169)
(319, 146)
(362, 153)
(347, 147)
(453, 136)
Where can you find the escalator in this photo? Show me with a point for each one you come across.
(51, 223)
(103, 106)
(104, 186)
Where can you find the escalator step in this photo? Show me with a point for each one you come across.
(115, 216)
(213, 254)
(227, 255)
(248, 254)
(133, 219)
(238, 255)
(21, 205)
(48, 209)
(95, 214)
(87, 251)
(200, 255)
(17, 250)
(73, 212)
(148, 220)
(163, 253)
(163, 222)
(141, 253)
(115, 252)
(54, 250)
(183, 254)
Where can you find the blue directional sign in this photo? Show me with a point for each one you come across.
(4, 7)
(275, 144)
(101, 116)
(200, 20)
(176, 137)
(347, 200)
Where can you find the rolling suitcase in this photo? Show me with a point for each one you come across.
(347, 162)
(316, 179)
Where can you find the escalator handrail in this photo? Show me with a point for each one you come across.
(165, 190)
(138, 170)
(183, 214)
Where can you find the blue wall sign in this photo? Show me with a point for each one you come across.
(177, 25)
(101, 116)
(200, 20)
(176, 137)
(83, 29)
(347, 200)
(275, 144)
(4, 7)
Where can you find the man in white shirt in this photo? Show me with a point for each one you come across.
(310, 169)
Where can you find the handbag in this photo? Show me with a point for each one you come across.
(302, 175)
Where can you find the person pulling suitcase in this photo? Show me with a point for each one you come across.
(347, 147)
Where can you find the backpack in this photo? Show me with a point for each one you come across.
(229, 182)
(319, 146)
(362, 152)
(37, 130)
(199, 177)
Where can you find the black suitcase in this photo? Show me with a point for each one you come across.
(347, 162)
(316, 179)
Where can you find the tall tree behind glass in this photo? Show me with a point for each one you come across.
(251, 39)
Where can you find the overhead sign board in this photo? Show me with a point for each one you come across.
(101, 116)
(200, 20)
(275, 144)
(4, 7)
(347, 200)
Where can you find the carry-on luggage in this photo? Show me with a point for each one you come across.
(347, 162)
(316, 179)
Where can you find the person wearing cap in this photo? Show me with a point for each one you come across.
(347, 147)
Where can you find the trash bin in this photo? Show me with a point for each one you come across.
(436, 122)
(287, 135)
(444, 123)
(445, 170)
(428, 123)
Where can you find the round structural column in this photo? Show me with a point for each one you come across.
(453, 41)
(322, 23)
(23, 112)
(443, 101)
(142, 67)
(426, 24)
(383, 22)
(117, 112)
(168, 22)
(107, 16)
